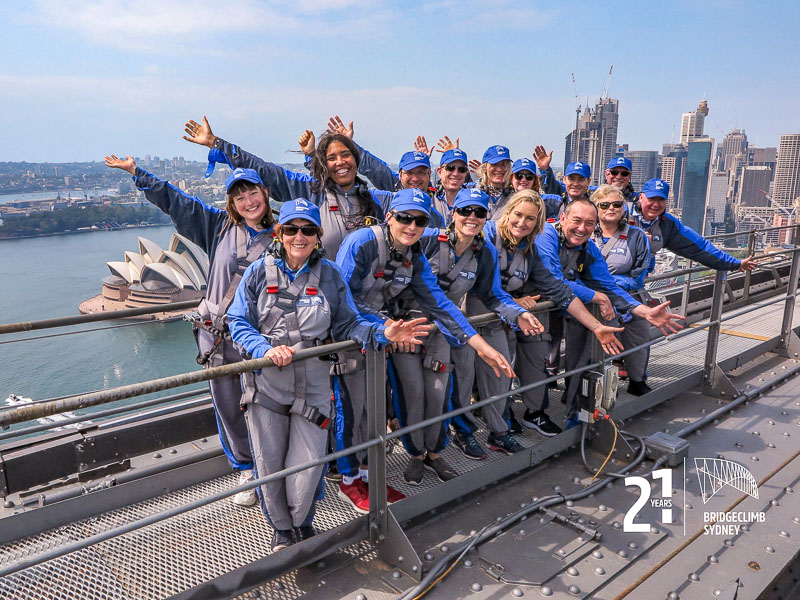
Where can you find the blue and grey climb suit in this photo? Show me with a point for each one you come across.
(475, 271)
(226, 250)
(287, 408)
(586, 272)
(377, 275)
(667, 232)
(339, 210)
(627, 255)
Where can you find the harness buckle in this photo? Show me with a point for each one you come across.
(379, 274)
(312, 415)
(442, 237)
(311, 291)
(272, 289)
(333, 207)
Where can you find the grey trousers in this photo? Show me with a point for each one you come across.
(226, 394)
(637, 332)
(419, 392)
(530, 357)
(577, 354)
(490, 384)
(350, 396)
(280, 442)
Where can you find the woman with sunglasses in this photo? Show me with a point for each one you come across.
(232, 239)
(526, 279)
(387, 271)
(287, 301)
(523, 175)
(463, 263)
(345, 202)
(626, 250)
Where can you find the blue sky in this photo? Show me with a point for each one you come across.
(82, 79)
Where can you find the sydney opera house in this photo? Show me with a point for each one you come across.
(155, 276)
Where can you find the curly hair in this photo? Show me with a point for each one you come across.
(322, 178)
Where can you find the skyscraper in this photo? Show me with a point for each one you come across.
(673, 170)
(643, 166)
(787, 171)
(735, 143)
(715, 204)
(762, 157)
(692, 123)
(754, 183)
(595, 139)
(696, 183)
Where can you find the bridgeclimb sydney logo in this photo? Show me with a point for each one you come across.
(713, 474)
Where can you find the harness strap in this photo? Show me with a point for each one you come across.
(620, 234)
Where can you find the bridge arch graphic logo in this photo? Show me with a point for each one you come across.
(713, 474)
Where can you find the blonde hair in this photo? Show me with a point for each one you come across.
(605, 190)
(515, 200)
(483, 176)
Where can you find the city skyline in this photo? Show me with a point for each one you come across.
(87, 78)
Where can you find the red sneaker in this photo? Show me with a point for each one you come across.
(355, 495)
(393, 495)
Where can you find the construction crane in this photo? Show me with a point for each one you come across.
(575, 140)
(608, 82)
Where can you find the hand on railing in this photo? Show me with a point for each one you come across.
(606, 308)
(748, 264)
(281, 355)
(529, 324)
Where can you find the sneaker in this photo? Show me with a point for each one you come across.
(504, 443)
(638, 388)
(469, 446)
(304, 532)
(355, 495)
(333, 474)
(393, 495)
(282, 538)
(414, 471)
(247, 497)
(539, 421)
(514, 426)
(438, 466)
(571, 422)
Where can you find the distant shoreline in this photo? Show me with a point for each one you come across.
(38, 235)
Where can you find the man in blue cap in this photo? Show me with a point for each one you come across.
(453, 173)
(557, 195)
(618, 173)
(665, 231)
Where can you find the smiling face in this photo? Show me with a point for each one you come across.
(497, 172)
(619, 177)
(577, 185)
(652, 208)
(452, 180)
(402, 234)
(251, 203)
(523, 180)
(522, 220)
(418, 177)
(578, 222)
(341, 165)
(468, 227)
(298, 247)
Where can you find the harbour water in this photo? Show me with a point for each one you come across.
(49, 277)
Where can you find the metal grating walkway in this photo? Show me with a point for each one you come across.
(169, 557)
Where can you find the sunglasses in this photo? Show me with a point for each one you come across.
(620, 173)
(407, 219)
(478, 211)
(528, 176)
(455, 168)
(607, 205)
(308, 230)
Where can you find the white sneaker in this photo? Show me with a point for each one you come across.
(247, 497)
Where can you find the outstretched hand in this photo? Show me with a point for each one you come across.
(474, 165)
(307, 142)
(421, 145)
(128, 164)
(445, 144)
(335, 125)
(542, 158)
(407, 332)
(199, 134)
(748, 264)
(605, 335)
(663, 319)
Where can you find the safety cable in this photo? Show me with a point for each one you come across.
(52, 335)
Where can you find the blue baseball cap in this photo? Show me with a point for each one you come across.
(496, 154)
(581, 168)
(299, 209)
(411, 199)
(523, 164)
(452, 156)
(471, 197)
(409, 160)
(656, 188)
(242, 175)
(620, 161)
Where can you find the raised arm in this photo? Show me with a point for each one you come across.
(283, 184)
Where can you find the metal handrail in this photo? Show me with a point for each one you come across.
(752, 231)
